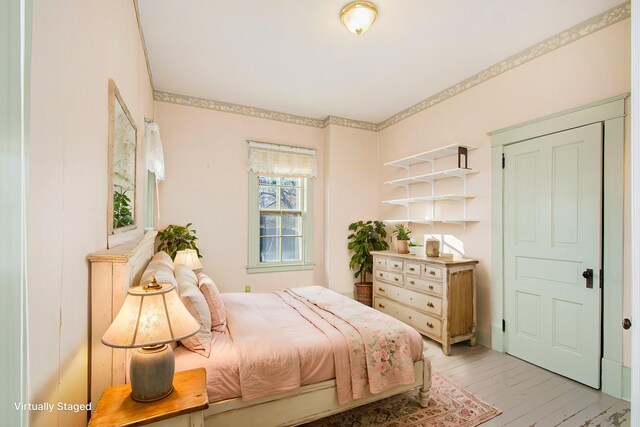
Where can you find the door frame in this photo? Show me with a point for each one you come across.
(611, 113)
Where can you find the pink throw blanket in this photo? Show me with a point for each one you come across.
(378, 346)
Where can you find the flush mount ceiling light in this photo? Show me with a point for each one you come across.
(358, 16)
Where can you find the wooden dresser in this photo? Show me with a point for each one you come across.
(437, 296)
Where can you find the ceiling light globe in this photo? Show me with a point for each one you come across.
(358, 16)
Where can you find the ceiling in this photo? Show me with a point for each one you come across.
(296, 57)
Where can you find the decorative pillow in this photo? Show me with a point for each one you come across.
(160, 266)
(214, 301)
(195, 303)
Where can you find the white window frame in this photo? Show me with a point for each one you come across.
(254, 265)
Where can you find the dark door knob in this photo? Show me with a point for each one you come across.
(588, 274)
(626, 324)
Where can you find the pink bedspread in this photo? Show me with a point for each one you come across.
(280, 341)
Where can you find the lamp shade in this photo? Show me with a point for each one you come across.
(188, 257)
(149, 317)
(358, 16)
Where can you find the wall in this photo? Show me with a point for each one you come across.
(351, 194)
(77, 47)
(206, 184)
(588, 70)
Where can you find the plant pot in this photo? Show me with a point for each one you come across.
(364, 293)
(402, 246)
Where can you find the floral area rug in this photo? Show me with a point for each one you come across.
(449, 405)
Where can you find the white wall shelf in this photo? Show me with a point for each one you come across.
(434, 176)
(424, 199)
(430, 200)
(428, 156)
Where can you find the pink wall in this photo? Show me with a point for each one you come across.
(206, 184)
(77, 47)
(588, 70)
(351, 194)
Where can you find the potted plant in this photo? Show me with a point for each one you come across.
(402, 238)
(365, 237)
(176, 238)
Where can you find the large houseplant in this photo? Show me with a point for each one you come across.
(365, 237)
(176, 238)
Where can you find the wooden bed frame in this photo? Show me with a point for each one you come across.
(114, 270)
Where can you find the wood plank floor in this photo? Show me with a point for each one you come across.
(526, 394)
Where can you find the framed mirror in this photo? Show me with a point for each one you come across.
(123, 134)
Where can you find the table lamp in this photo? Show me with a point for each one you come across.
(188, 257)
(152, 316)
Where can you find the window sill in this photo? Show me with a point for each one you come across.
(272, 268)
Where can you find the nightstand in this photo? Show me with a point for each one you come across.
(183, 407)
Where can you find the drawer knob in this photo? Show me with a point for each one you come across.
(380, 305)
(380, 274)
(410, 317)
(412, 282)
(395, 278)
(412, 269)
(430, 304)
(433, 273)
(396, 265)
(429, 324)
(381, 289)
(431, 287)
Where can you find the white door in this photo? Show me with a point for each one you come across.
(552, 238)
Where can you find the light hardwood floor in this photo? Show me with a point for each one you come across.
(526, 394)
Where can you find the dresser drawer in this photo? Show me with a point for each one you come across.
(430, 272)
(388, 307)
(424, 285)
(389, 277)
(394, 264)
(420, 301)
(422, 322)
(411, 268)
(380, 262)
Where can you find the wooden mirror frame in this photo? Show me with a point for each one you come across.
(114, 96)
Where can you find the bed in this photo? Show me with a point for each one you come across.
(285, 320)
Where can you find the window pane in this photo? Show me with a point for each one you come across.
(268, 180)
(292, 224)
(269, 224)
(267, 197)
(291, 182)
(269, 249)
(290, 198)
(291, 248)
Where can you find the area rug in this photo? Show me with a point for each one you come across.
(450, 405)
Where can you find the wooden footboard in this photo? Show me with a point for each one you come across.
(305, 404)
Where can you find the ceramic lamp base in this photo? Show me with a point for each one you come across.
(151, 373)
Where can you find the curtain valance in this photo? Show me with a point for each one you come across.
(282, 160)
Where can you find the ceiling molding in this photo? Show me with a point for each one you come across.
(244, 110)
(583, 29)
(350, 123)
(577, 32)
(144, 44)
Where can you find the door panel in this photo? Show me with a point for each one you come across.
(552, 223)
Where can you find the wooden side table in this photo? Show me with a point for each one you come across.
(183, 407)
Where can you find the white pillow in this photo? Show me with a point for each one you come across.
(195, 303)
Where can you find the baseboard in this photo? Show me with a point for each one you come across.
(612, 378)
(497, 338)
(626, 383)
(484, 338)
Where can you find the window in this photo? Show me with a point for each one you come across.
(281, 208)
(280, 216)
